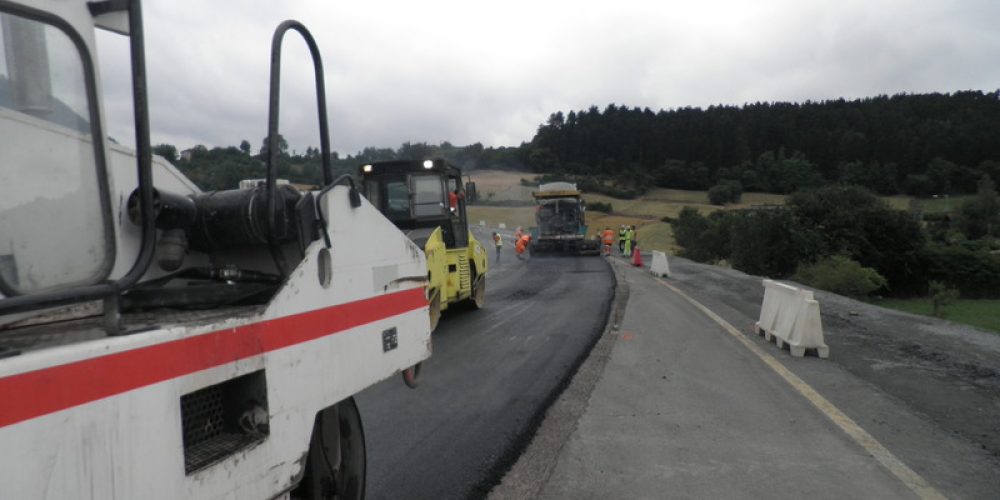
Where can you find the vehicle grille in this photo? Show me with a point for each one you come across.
(209, 420)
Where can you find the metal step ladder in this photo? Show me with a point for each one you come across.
(464, 277)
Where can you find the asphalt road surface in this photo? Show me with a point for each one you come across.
(491, 377)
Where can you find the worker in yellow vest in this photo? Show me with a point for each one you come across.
(498, 242)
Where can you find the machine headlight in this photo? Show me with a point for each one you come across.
(366, 169)
(428, 164)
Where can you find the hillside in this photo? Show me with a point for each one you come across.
(505, 188)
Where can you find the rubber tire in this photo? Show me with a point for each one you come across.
(337, 438)
(478, 299)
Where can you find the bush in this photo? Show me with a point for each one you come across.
(770, 241)
(918, 185)
(856, 223)
(725, 192)
(840, 275)
(599, 206)
(766, 242)
(975, 273)
(615, 190)
(941, 296)
(702, 239)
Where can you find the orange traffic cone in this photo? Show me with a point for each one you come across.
(636, 257)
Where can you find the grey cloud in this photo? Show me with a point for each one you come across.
(402, 71)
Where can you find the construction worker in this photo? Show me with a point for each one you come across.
(628, 242)
(453, 198)
(621, 239)
(517, 234)
(498, 241)
(608, 238)
(522, 245)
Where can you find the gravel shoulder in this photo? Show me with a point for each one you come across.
(927, 388)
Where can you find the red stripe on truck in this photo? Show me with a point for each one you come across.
(33, 394)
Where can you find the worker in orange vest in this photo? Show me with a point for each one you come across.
(608, 238)
(522, 245)
(453, 198)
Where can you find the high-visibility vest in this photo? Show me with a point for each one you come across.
(609, 237)
(522, 243)
(498, 240)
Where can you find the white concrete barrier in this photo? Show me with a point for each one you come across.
(790, 316)
(502, 225)
(660, 267)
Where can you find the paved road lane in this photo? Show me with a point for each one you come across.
(492, 374)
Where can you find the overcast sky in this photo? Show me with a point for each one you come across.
(491, 72)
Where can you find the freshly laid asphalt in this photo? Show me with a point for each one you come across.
(492, 374)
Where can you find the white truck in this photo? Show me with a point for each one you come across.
(160, 342)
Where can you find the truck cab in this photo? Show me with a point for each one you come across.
(425, 199)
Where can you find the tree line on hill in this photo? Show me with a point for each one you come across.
(917, 144)
(222, 168)
(833, 157)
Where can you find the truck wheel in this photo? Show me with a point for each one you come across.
(478, 299)
(335, 464)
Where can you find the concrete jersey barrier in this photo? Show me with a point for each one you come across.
(791, 316)
(660, 267)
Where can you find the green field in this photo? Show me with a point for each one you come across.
(645, 212)
(980, 313)
(510, 216)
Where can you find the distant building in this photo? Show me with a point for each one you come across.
(252, 183)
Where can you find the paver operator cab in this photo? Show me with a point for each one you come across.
(161, 342)
(425, 199)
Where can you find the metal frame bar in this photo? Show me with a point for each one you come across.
(143, 165)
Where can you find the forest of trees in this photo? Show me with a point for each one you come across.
(918, 144)
(223, 167)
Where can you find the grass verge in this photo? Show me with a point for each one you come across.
(980, 313)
